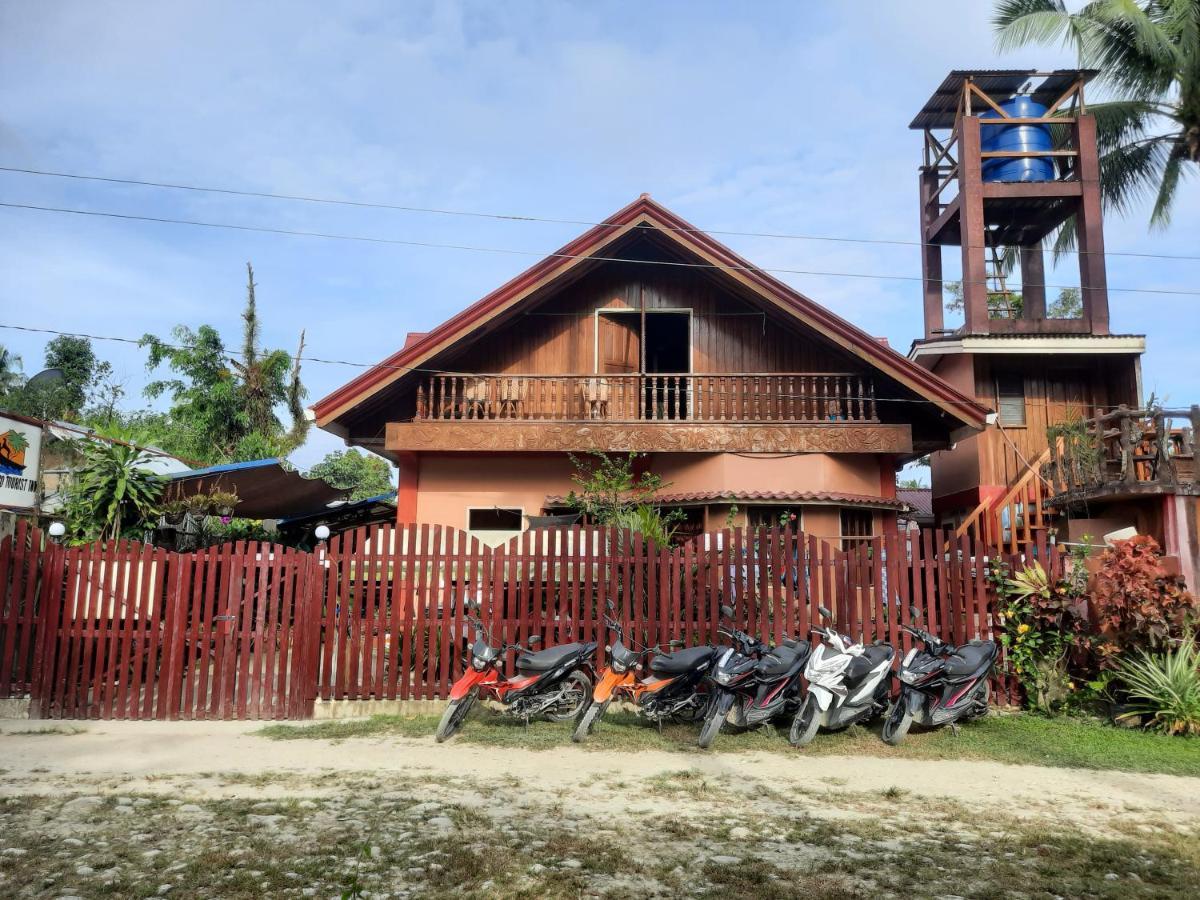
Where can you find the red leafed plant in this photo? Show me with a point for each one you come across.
(1137, 604)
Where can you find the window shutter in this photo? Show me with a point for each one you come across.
(1010, 395)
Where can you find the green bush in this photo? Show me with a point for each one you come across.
(1165, 687)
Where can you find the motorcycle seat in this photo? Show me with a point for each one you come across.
(780, 659)
(550, 658)
(970, 658)
(870, 658)
(681, 660)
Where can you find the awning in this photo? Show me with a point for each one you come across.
(267, 489)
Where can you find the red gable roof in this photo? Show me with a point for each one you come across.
(645, 211)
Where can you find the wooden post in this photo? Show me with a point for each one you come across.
(972, 233)
(931, 257)
(406, 492)
(1089, 229)
(1033, 283)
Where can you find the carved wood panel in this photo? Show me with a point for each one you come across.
(650, 438)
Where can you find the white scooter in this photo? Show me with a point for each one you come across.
(847, 684)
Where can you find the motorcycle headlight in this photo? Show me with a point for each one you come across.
(910, 677)
(478, 664)
(724, 678)
(619, 668)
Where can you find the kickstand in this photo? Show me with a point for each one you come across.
(660, 726)
(954, 728)
(527, 723)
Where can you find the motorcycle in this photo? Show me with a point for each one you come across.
(848, 683)
(671, 691)
(554, 682)
(940, 684)
(751, 682)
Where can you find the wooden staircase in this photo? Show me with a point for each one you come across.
(1012, 522)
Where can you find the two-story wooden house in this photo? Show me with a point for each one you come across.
(645, 334)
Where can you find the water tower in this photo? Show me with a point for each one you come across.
(1010, 158)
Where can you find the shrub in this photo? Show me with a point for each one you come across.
(1165, 687)
(1137, 604)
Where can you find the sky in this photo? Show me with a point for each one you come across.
(768, 117)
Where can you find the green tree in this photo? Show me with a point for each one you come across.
(362, 474)
(110, 491)
(1148, 54)
(76, 359)
(224, 408)
(911, 484)
(612, 494)
(11, 377)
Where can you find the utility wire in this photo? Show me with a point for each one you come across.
(510, 217)
(29, 329)
(556, 255)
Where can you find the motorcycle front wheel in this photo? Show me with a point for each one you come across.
(588, 721)
(806, 722)
(712, 726)
(576, 689)
(454, 716)
(897, 723)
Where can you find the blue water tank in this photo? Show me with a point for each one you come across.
(1017, 137)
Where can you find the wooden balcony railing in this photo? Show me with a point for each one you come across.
(1123, 449)
(807, 397)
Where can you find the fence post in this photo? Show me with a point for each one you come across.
(50, 596)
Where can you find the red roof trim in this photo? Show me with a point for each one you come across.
(690, 237)
(768, 497)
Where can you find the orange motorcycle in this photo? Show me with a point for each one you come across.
(672, 690)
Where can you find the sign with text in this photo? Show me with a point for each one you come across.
(20, 451)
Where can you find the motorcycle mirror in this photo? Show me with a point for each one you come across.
(915, 611)
(825, 612)
(611, 606)
(727, 611)
(675, 644)
(534, 639)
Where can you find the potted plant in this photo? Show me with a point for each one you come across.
(199, 505)
(223, 502)
(174, 511)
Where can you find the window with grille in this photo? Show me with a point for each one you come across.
(766, 516)
(1010, 400)
(857, 526)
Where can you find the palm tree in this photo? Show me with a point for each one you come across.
(1148, 53)
(10, 372)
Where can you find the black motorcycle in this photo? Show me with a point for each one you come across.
(940, 684)
(673, 689)
(751, 682)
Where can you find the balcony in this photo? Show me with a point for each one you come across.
(1123, 454)
(746, 398)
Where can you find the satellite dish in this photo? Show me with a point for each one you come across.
(45, 379)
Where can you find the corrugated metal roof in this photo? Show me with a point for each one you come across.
(815, 497)
(999, 84)
(920, 499)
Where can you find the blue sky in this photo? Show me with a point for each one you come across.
(777, 117)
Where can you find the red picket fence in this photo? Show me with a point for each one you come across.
(250, 630)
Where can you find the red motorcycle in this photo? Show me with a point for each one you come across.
(555, 682)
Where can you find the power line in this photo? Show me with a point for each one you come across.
(510, 251)
(512, 217)
(451, 373)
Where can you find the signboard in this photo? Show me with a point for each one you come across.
(20, 452)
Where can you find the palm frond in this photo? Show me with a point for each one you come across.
(1021, 22)
(1128, 173)
(1120, 122)
(1160, 216)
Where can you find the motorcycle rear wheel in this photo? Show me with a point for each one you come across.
(588, 721)
(897, 723)
(982, 702)
(454, 716)
(578, 688)
(806, 723)
(712, 726)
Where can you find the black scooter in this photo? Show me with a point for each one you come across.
(940, 684)
(752, 682)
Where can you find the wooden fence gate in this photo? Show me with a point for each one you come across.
(137, 632)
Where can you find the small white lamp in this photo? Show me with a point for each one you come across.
(322, 532)
(57, 530)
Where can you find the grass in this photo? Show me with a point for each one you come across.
(1022, 739)
(53, 729)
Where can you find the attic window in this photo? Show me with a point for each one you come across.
(1010, 400)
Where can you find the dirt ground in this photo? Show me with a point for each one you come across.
(214, 810)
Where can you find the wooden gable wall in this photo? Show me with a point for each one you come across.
(728, 333)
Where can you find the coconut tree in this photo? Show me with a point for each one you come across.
(1148, 54)
(10, 371)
